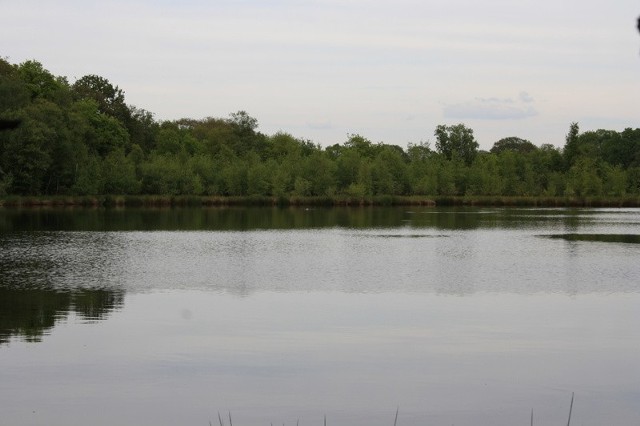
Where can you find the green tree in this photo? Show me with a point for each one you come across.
(583, 178)
(484, 176)
(216, 137)
(27, 157)
(208, 172)
(100, 132)
(143, 129)
(572, 145)
(38, 155)
(446, 178)
(234, 178)
(169, 175)
(108, 98)
(282, 145)
(302, 187)
(258, 176)
(621, 149)
(422, 169)
(364, 181)
(419, 152)
(389, 172)
(281, 181)
(511, 182)
(88, 175)
(119, 174)
(248, 139)
(633, 180)
(456, 141)
(361, 145)
(14, 93)
(41, 83)
(347, 167)
(169, 140)
(615, 181)
(513, 143)
(319, 170)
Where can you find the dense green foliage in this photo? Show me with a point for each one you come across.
(84, 139)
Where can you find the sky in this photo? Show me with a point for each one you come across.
(322, 70)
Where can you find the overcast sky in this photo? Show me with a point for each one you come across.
(390, 71)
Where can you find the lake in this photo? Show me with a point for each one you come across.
(451, 316)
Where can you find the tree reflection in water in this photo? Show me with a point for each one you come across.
(30, 314)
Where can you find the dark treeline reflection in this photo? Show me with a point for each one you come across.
(235, 219)
(30, 314)
(43, 279)
(603, 238)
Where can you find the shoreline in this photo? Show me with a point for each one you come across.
(111, 201)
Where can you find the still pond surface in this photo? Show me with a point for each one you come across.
(285, 316)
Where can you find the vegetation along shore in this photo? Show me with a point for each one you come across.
(81, 144)
(158, 201)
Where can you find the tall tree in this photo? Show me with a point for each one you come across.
(40, 82)
(248, 139)
(572, 145)
(456, 142)
(109, 98)
(14, 93)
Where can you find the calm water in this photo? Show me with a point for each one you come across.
(457, 316)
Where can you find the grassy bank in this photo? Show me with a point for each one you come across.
(206, 201)
(212, 201)
(502, 201)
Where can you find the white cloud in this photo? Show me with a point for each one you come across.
(525, 97)
(493, 108)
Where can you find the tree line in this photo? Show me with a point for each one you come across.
(82, 138)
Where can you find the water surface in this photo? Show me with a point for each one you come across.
(458, 316)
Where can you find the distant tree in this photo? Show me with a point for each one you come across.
(281, 178)
(101, 133)
(484, 176)
(248, 139)
(420, 169)
(83, 139)
(622, 148)
(446, 178)
(361, 145)
(41, 83)
(109, 98)
(320, 171)
(234, 178)
(590, 142)
(119, 174)
(571, 146)
(243, 121)
(615, 148)
(169, 175)
(389, 172)
(348, 165)
(282, 145)
(456, 142)
(207, 171)
(14, 93)
(615, 180)
(419, 152)
(142, 128)
(258, 176)
(509, 173)
(583, 178)
(513, 143)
